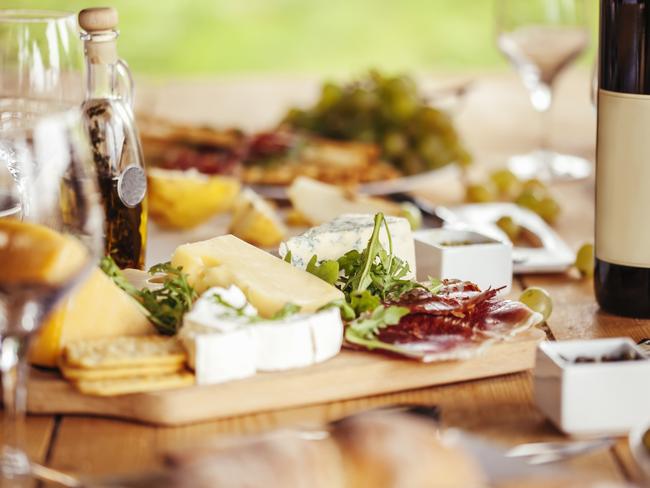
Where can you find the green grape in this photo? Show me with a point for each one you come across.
(399, 86)
(432, 150)
(548, 209)
(297, 118)
(363, 100)
(480, 193)
(389, 111)
(432, 119)
(395, 144)
(529, 200)
(535, 186)
(330, 95)
(585, 260)
(411, 213)
(366, 135)
(463, 157)
(506, 182)
(412, 164)
(402, 107)
(511, 228)
(408, 85)
(538, 300)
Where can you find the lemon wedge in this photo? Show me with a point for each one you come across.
(32, 254)
(255, 220)
(185, 199)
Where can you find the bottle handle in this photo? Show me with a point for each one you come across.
(127, 86)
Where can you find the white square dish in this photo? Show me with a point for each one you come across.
(464, 255)
(592, 398)
(553, 256)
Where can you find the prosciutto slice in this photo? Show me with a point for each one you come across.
(457, 322)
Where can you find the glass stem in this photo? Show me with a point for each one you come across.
(545, 132)
(13, 363)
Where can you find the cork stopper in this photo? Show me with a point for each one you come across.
(100, 24)
(98, 19)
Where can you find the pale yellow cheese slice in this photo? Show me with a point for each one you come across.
(267, 281)
(96, 309)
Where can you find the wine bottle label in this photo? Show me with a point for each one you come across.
(623, 179)
(132, 186)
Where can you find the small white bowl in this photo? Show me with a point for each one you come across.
(480, 259)
(589, 399)
(640, 453)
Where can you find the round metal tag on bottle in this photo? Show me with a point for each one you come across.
(132, 186)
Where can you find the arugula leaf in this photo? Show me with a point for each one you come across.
(166, 305)
(347, 312)
(434, 285)
(369, 277)
(327, 270)
(112, 270)
(363, 301)
(288, 257)
(363, 331)
(287, 310)
(236, 311)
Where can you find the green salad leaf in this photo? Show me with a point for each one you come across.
(363, 330)
(165, 305)
(113, 271)
(326, 270)
(369, 277)
(287, 310)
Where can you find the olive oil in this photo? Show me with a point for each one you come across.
(125, 228)
(116, 149)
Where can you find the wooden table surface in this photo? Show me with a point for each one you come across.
(496, 120)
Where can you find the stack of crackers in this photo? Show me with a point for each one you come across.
(121, 365)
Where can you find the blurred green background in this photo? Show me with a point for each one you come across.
(198, 37)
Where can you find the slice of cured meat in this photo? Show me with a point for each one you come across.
(456, 322)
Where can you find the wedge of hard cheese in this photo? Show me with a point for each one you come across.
(268, 282)
(97, 309)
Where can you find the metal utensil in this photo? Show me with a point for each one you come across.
(429, 216)
(550, 452)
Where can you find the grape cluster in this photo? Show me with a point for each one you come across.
(503, 185)
(389, 112)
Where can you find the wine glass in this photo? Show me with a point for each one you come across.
(540, 38)
(41, 55)
(45, 250)
(50, 218)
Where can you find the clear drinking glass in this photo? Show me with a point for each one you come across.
(46, 248)
(540, 38)
(50, 215)
(41, 55)
(41, 58)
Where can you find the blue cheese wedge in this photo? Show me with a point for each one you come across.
(345, 233)
(226, 339)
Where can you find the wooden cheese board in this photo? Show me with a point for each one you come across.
(348, 375)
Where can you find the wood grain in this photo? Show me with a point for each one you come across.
(500, 409)
(348, 375)
(38, 434)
